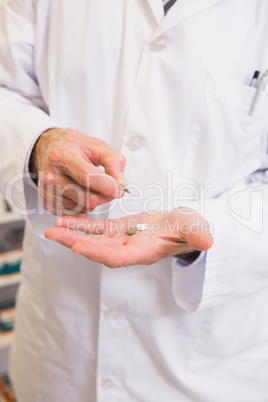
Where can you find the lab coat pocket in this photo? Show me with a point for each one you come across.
(234, 336)
(226, 144)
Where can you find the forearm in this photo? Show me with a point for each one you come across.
(21, 123)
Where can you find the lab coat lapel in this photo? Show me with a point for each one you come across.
(157, 9)
(182, 10)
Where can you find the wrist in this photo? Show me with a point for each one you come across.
(188, 257)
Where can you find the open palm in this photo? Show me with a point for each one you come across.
(108, 241)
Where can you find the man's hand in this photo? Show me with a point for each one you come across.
(108, 241)
(70, 180)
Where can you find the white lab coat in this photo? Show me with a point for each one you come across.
(173, 95)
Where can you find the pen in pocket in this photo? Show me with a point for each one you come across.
(260, 88)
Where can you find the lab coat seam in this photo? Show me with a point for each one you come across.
(143, 52)
(187, 156)
(195, 341)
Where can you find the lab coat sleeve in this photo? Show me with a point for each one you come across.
(237, 264)
(23, 113)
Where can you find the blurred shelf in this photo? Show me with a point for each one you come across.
(9, 217)
(6, 339)
(10, 279)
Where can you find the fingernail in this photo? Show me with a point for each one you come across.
(122, 179)
(119, 192)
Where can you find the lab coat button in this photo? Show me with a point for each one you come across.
(107, 384)
(112, 314)
(135, 142)
(157, 45)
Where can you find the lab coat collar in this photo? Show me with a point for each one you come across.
(157, 9)
(179, 12)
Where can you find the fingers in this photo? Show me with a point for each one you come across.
(68, 238)
(82, 224)
(58, 194)
(115, 168)
(64, 236)
(69, 173)
(93, 178)
(82, 166)
(113, 162)
(109, 227)
(61, 205)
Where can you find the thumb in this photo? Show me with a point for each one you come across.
(199, 236)
(200, 241)
(114, 166)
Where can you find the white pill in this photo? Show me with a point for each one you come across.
(142, 226)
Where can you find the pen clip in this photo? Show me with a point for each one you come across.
(254, 79)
